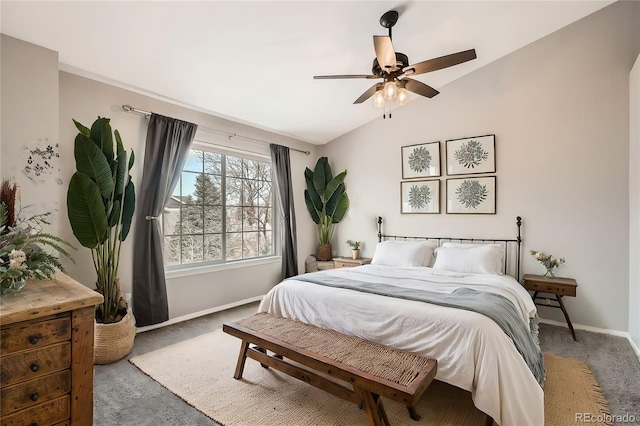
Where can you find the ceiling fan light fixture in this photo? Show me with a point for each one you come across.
(390, 90)
(378, 99)
(403, 96)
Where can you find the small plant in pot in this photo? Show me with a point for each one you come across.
(326, 201)
(355, 248)
(100, 205)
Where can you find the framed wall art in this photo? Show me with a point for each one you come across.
(420, 196)
(471, 155)
(476, 195)
(421, 160)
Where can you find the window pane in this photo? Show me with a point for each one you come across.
(192, 248)
(212, 247)
(234, 191)
(212, 219)
(194, 161)
(212, 162)
(250, 244)
(234, 246)
(264, 193)
(234, 219)
(171, 251)
(189, 180)
(249, 219)
(234, 166)
(192, 219)
(266, 245)
(250, 169)
(170, 218)
(265, 171)
(266, 221)
(209, 189)
(250, 192)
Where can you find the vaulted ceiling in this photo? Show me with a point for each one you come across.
(254, 62)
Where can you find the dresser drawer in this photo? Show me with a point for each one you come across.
(34, 363)
(340, 264)
(563, 290)
(45, 414)
(37, 334)
(36, 391)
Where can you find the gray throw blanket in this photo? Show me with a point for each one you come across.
(494, 306)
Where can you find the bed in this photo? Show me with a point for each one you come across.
(404, 299)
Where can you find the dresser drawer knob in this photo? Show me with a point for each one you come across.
(34, 367)
(34, 396)
(35, 338)
(548, 287)
(34, 424)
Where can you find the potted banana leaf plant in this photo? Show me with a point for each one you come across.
(327, 202)
(100, 206)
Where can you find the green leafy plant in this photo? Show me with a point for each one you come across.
(100, 205)
(325, 198)
(26, 251)
(355, 245)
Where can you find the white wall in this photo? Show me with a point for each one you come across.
(634, 203)
(39, 102)
(559, 108)
(30, 121)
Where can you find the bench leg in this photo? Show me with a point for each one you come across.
(242, 357)
(413, 413)
(374, 410)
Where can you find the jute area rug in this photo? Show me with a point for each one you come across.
(200, 371)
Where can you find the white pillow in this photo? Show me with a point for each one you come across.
(472, 260)
(499, 248)
(403, 253)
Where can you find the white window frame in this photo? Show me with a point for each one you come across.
(187, 269)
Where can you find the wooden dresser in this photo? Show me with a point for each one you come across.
(46, 354)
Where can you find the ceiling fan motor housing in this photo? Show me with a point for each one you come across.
(402, 61)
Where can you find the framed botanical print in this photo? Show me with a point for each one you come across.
(476, 195)
(420, 196)
(471, 155)
(421, 160)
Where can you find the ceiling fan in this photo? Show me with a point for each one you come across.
(393, 68)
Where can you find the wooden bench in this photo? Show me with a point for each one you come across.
(370, 370)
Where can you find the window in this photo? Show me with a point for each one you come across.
(220, 211)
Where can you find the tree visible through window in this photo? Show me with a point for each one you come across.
(221, 210)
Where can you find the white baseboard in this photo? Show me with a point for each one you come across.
(199, 314)
(618, 333)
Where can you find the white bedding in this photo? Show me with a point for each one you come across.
(473, 353)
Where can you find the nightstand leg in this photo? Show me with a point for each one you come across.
(566, 316)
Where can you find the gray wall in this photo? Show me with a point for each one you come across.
(39, 102)
(30, 121)
(634, 203)
(559, 108)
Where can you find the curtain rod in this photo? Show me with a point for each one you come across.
(147, 114)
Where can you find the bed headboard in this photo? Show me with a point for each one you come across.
(511, 246)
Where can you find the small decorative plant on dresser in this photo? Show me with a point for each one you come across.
(355, 248)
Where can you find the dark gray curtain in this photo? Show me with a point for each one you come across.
(167, 149)
(284, 194)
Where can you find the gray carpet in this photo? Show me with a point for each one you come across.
(123, 395)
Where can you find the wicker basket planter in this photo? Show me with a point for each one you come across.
(113, 342)
(324, 252)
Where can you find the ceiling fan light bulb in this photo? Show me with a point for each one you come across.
(390, 90)
(378, 99)
(403, 96)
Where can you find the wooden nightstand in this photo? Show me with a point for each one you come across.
(557, 286)
(347, 262)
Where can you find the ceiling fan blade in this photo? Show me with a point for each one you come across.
(327, 77)
(384, 53)
(366, 95)
(419, 87)
(441, 62)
